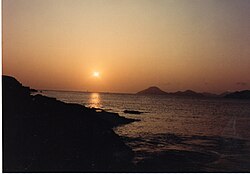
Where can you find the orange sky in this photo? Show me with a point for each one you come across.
(175, 45)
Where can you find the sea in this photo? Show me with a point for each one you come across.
(209, 126)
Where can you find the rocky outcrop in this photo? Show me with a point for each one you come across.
(42, 134)
(132, 112)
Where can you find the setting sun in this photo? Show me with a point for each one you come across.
(96, 74)
(125, 86)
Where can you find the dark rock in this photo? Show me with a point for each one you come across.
(33, 90)
(114, 119)
(132, 112)
(42, 134)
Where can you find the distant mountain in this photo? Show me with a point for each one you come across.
(224, 94)
(210, 95)
(153, 90)
(188, 93)
(157, 91)
(239, 95)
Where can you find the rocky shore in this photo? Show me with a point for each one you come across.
(42, 134)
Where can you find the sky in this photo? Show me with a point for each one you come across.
(173, 44)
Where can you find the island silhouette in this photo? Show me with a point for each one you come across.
(154, 90)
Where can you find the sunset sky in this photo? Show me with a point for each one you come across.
(127, 46)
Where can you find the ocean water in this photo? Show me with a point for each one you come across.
(214, 127)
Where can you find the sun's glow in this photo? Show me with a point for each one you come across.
(96, 74)
(95, 100)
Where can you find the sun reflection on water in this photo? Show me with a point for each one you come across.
(95, 100)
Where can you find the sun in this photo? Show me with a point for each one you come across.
(96, 74)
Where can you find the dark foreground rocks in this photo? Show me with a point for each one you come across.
(42, 134)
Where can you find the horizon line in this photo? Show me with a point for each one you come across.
(129, 93)
(62, 90)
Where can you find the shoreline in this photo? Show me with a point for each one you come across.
(42, 134)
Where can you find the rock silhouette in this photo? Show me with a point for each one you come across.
(132, 112)
(42, 134)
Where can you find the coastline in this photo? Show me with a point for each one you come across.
(42, 134)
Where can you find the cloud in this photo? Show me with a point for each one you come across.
(241, 83)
